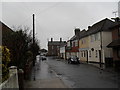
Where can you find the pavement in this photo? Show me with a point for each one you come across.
(108, 69)
(46, 83)
(43, 77)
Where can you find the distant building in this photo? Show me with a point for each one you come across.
(43, 51)
(63, 51)
(119, 8)
(54, 47)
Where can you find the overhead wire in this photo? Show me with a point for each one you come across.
(47, 9)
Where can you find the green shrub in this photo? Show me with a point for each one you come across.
(5, 56)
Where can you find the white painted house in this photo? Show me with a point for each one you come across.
(99, 37)
(62, 52)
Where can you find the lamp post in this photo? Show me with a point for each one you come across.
(33, 40)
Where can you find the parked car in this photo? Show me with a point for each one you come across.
(43, 57)
(73, 59)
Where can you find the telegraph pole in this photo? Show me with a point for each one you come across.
(33, 39)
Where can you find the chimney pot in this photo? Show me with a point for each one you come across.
(51, 39)
(77, 31)
(89, 27)
(60, 39)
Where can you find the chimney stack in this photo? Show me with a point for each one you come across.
(117, 19)
(89, 27)
(60, 39)
(77, 31)
(51, 39)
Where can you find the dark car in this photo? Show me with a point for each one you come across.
(43, 58)
(73, 59)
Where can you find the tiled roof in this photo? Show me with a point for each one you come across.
(82, 33)
(73, 38)
(115, 25)
(103, 25)
(5, 27)
(115, 43)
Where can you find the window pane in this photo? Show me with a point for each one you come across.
(89, 53)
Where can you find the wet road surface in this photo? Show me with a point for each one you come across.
(41, 70)
(83, 75)
(42, 76)
(73, 76)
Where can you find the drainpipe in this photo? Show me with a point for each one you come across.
(101, 53)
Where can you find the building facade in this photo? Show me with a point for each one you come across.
(63, 52)
(99, 37)
(115, 44)
(5, 31)
(84, 47)
(72, 48)
(54, 47)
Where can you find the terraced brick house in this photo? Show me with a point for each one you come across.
(54, 47)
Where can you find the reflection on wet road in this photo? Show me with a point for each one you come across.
(41, 70)
(74, 76)
(83, 75)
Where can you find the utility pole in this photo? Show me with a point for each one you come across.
(33, 39)
(101, 51)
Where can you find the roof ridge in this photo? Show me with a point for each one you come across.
(103, 24)
(100, 21)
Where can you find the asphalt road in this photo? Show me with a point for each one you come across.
(74, 76)
(82, 75)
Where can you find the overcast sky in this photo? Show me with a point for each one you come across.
(56, 19)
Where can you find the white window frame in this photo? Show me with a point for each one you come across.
(89, 53)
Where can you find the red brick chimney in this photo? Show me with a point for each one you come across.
(77, 31)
